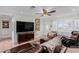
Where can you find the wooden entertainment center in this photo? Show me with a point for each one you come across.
(25, 36)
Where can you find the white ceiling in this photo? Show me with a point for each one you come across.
(31, 12)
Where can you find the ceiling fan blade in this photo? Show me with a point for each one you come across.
(49, 14)
(52, 11)
(38, 13)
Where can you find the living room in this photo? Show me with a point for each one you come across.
(44, 19)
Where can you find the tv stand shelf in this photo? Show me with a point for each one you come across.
(25, 36)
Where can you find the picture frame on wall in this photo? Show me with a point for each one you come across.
(5, 24)
(37, 24)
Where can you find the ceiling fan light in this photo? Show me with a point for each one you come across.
(45, 14)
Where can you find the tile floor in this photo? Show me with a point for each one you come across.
(5, 44)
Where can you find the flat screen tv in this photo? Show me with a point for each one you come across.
(24, 26)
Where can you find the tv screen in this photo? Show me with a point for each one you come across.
(24, 26)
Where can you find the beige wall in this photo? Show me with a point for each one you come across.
(5, 32)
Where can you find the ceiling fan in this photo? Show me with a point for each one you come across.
(46, 13)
